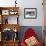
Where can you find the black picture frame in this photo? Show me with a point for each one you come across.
(30, 13)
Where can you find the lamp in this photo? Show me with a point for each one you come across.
(15, 3)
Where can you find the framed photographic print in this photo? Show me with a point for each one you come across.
(30, 13)
(5, 12)
(13, 12)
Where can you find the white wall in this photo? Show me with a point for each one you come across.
(27, 4)
(31, 4)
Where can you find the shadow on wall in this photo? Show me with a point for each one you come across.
(37, 29)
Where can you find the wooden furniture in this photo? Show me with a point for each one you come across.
(8, 11)
(5, 23)
(10, 43)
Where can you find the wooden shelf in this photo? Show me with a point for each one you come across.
(4, 13)
(9, 8)
(9, 43)
(10, 26)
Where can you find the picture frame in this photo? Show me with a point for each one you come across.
(5, 12)
(30, 13)
(13, 12)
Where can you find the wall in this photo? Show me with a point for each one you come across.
(31, 4)
(27, 4)
(37, 30)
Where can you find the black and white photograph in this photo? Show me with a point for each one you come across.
(30, 13)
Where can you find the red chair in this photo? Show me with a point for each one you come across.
(29, 33)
